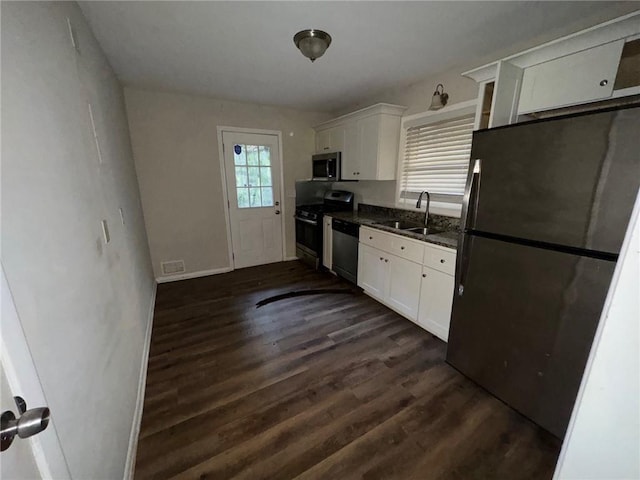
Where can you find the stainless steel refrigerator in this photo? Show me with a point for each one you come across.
(545, 211)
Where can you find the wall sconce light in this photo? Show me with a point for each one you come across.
(439, 99)
(312, 43)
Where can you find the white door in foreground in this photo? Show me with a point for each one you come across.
(39, 456)
(252, 168)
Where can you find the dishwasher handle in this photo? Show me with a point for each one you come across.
(346, 227)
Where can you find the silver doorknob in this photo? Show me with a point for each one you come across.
(277, 212)
(604, 82)
(30, 423)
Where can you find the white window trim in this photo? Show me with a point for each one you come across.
(451, 209)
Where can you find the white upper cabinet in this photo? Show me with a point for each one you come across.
(368, 140)
(330, 140)
(579, 78)
(599, 63)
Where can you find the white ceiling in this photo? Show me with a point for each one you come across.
(244, 50)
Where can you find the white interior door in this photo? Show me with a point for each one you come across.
(39, 456)
(252, 169)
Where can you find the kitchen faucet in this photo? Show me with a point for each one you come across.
(426, 213)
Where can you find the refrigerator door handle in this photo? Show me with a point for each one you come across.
(469, 210)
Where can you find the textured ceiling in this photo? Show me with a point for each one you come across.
(244, 50)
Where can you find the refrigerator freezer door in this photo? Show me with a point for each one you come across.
(524, 326)
(568, 181)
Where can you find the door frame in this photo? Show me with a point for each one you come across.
(223, 178)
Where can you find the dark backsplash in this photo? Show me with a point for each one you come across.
(435, 221)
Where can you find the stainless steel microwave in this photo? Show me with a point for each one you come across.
(326, 166)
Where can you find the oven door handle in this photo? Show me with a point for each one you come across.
(304, 220)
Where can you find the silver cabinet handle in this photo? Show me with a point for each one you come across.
(442, 260)
(424, 275)
(386, 260)
(30, 423)
(277, 212)
(402, 248)
(604, 82)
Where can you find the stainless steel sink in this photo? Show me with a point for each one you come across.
(399, 224)
(423, 230)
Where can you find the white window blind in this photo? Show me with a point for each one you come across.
(436, 157)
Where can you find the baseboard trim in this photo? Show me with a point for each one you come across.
(186, 276)
(142, 383)
(290, 259)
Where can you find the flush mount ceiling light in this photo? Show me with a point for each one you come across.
(312, 43)
(440, 98)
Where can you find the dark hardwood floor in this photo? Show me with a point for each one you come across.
(322, 387)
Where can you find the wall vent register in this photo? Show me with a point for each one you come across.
(172, 267)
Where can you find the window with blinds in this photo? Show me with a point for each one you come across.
(436, 157)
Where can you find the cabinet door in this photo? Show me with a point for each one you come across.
(581, 77)
(436, 299)
(373, 271)
(327, 243)
(337, 138)
(323, 141)
(350, 152)
(404, 286)
(368, 142)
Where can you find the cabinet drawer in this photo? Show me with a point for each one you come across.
(407, 249)
(376, 238)
(441, 260)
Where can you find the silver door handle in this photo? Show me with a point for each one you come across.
(30, 423)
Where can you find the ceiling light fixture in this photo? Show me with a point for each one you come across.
(312, 43)
(440, 98)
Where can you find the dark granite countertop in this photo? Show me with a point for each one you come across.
(446, 239)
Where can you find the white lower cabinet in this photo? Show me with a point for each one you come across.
(393, 280)
(422, 292)
(436, 300)
(372, 271)
(404, 286)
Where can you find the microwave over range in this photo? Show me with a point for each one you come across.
(327, 167)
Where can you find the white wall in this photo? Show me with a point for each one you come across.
(84, 304)
(175, 147)
(603, 439)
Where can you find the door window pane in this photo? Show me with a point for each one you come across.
(243, 197)
(265, 176)
(267, 197)
(254, 176)
(252, 155)
(254, 182)
(239, 158)
(265, 155)
(255, 199)
(242, 179)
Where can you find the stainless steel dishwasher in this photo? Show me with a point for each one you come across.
(345, 249)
